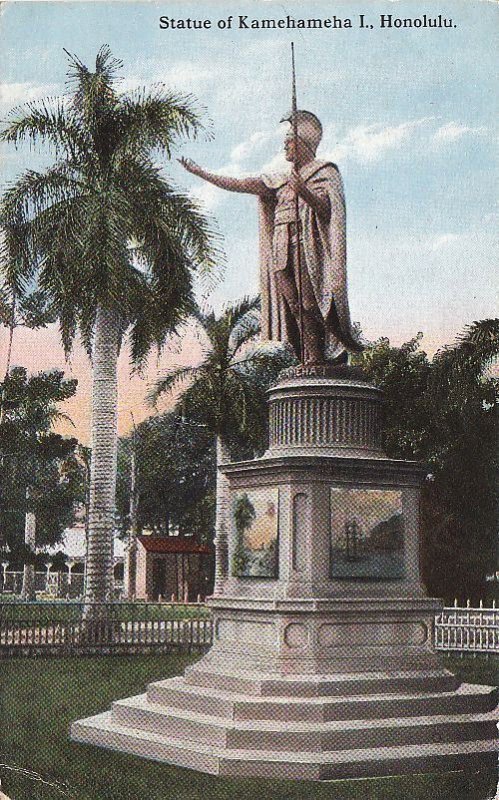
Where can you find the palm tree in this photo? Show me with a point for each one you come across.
(226, 393)
(110, 241)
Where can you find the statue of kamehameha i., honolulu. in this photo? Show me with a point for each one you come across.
(303, 281)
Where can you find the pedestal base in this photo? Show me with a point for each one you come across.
(274, 699)
(376, 732)
(322, 665)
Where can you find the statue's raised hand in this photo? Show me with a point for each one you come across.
(190, 166)
(296, 184)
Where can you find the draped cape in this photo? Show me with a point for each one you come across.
(323, 256)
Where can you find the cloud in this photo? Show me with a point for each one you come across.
(207, 195)
(256, 141)
(452, 131)
(211, 197)
(443, 240)
(369, 143)
(276, 164)
(182, 76)
(15, 93)
(364, 144)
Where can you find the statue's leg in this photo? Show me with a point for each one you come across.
(313, 324)
(286, 289)
(313, 337)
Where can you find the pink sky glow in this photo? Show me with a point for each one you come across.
(41, 350)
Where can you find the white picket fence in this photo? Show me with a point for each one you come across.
(458, 629)
(467, 629)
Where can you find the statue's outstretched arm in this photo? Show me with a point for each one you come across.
(248, 185)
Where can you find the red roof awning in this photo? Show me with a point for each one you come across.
(172, 544)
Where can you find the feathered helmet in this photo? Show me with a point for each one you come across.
(309, 128)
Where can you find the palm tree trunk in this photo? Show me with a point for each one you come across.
(131, 554)
(12, 326)
(99, 573)
(221, 521)
(28, 587)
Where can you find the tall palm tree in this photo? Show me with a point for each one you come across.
(226, 393)
(110, 241)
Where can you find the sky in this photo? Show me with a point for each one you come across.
(409, 116)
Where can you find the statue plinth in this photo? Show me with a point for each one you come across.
(319, 410)
(322, 664)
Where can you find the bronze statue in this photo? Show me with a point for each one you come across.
(302, 247)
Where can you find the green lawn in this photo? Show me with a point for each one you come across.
(49, 612)
(40, 697)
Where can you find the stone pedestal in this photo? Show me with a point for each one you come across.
(322, 664)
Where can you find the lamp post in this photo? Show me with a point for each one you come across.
(47, 577)
(5, 563)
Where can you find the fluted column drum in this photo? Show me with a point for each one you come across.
(314, 413)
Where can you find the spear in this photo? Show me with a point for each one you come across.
(294, 118)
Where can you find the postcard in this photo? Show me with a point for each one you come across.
(248, 372)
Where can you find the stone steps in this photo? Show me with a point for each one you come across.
(105, 731)
(335, 685)
(306, 736)
(177, 693)
(139, 713)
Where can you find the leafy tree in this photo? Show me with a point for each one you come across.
(165, 483)
(109, 241)
(40, 478)
(29, 311)
(175, 474)
(442, 412)
(226, 393)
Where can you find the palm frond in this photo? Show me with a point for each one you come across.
(60, 416)
(473, 350)
(35, 191)
(68, 228)
(157, 119)
(238, 310)
(247, 328)
(171, 381)
(168, 224)
(45, 121)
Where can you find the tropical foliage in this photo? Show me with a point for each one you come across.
(32, 311)
(41, 482)
(108, 240)
(443, 412)
(226, 393)
(226, 390)
(175, 477)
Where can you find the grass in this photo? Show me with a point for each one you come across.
(70, 611)
(40, 697)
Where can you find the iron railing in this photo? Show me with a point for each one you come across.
(467, 629)
(71, 627)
